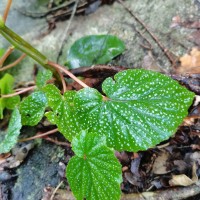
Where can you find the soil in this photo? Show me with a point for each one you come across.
(170, 170)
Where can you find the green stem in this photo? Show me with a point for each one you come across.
(21, 44)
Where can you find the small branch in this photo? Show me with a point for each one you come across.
(165, 50)
(54, 192)
(19, 92)
(68, 73)
(57, 142)
(5, 14)
(6, 54)
(14, 63)
(62, 80)
(38, 135)
(65, 33)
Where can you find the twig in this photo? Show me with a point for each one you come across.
(14, 63)
(19, 92)
(39, 135)
(6, 54)
(54, 192)
(65, 33)
(68, 73)
(165, 50)
(5, 14)
(142, 35)
(58, 142)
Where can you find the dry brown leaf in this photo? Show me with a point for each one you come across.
(190, 63)
(159, 166)
(183, 180)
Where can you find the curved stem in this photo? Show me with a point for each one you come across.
(39, 135)
(14, 63)
(62, 80)
(68, 73)
(6, 54)
(19, 92)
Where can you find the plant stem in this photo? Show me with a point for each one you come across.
(14, 63)
(6, 54)
(25, 47)
(39, 135)
(5, 15)
(19, 92)
(22, 45)
(68, 73)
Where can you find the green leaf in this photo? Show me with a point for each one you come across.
(63, 110)
(142, 109)
(94, 49)
(94, 173)
(43, 77)
(6, 85)
(53, 95)
(32, 108)
(13, 132)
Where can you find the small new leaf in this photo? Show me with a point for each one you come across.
(94, 173)
(13, 132)
(42, 78)
(94, 49)
(32, 108)
(53, 95)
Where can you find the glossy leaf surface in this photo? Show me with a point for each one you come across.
(32, 108)
(63, 113)
(12, 133)
(6, 87)
(94, 172)
(94, 49)
(142, 109)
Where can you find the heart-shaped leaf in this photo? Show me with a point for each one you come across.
(94, 173)
(94, 49)
(12, 133)
(32, 108)
(142, 108)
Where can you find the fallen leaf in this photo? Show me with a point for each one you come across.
(190, 63)
(159, 166)
(133, 180)
(183, 180)
(135, 164)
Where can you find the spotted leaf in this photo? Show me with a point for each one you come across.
(63, 113)
(32, 108)
(93, 173)
(53, 95)
(13, 132)
(142, 108)
(43, 77)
